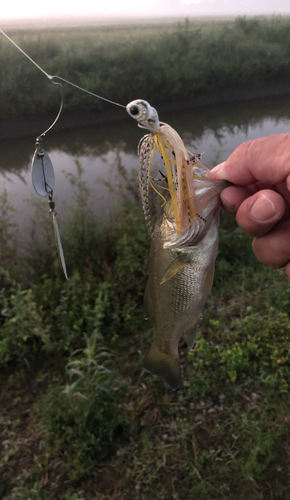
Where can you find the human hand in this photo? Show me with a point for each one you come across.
(260, 170)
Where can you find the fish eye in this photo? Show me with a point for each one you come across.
(134, 110)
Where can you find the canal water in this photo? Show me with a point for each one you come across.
(214, 130)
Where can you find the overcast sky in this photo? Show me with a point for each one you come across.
(14, 9)
(227, 7)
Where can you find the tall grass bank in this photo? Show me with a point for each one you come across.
(158, 62)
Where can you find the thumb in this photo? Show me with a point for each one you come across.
(259, 213)
(266, 159)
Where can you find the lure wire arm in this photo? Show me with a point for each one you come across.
(43, 180)
(58, 114)
(41, 168)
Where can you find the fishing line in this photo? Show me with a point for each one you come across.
(88, 92)
(51, 77)
(26, 55)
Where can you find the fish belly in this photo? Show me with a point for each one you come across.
(176, 304)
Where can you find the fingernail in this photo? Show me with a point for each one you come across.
(215, 171)
(263, 209)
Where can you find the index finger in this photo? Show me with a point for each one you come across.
(266, 159)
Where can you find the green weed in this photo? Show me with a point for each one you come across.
(255, 347)
(22, 331)
(83, 418)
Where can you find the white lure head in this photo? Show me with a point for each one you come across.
(146, 116)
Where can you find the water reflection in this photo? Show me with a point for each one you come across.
(216, 130)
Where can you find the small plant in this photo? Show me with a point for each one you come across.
(86, 373)
(83, 418)
(22, 332)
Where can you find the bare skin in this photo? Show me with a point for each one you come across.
(260, 170)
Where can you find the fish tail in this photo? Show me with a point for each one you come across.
(165, 365)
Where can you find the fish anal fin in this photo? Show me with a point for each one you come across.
(190, 334)
(174, 267)
(164, 364)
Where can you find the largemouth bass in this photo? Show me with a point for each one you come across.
(181, 278)
(184, 242)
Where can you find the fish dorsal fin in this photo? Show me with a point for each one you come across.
(174, 267)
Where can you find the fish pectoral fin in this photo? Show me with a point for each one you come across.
(174, 267)
(190, 334)
(164, 364)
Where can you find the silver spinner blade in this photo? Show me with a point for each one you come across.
(42, 173)
(58, 244)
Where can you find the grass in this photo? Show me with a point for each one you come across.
(158, 62)
(80, 419)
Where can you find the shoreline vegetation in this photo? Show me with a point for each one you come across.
(79, 417)
(81, 420)
(172, 65)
